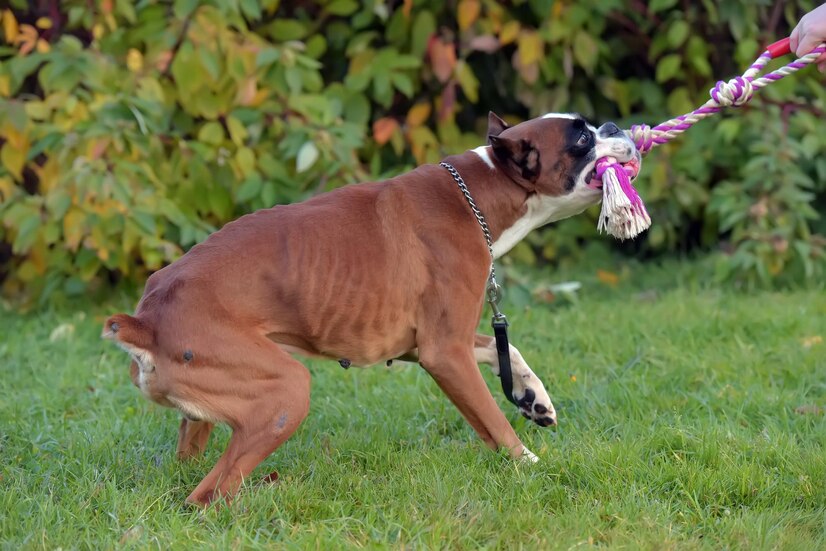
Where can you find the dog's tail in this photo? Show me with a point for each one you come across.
(130, 331)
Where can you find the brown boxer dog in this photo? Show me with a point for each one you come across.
(362, 274)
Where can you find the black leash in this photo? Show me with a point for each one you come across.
(494, 294)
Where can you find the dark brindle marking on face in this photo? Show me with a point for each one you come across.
(580, 146)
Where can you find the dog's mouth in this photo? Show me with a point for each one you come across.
(632, 168)
(592, 181)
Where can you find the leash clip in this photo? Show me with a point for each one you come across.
(495, 293)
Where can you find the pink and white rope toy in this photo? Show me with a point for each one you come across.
(623, 213)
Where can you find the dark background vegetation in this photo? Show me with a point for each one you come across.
(130, 130)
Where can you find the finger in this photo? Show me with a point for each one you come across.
(807, 43)
(794, 38)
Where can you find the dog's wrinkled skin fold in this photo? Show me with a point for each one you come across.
(368, 272)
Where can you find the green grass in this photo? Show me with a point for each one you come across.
(678, 429)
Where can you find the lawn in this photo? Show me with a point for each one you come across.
(690, 417)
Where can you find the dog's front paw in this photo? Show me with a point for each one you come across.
(528, 456)
(535, 405)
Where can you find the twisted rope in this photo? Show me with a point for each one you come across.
(736, 92)
(623, 213)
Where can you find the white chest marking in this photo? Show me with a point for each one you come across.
(543, 209)
(193, 411)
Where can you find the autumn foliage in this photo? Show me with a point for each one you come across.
(129, 131)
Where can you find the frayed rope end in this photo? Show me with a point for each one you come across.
(623, 213)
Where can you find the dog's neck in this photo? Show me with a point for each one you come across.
(510, 210)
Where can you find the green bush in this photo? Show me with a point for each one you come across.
(130, 130)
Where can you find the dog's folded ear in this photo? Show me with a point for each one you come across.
(520, 158)
(495, 125)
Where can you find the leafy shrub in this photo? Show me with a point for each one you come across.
(129, 131)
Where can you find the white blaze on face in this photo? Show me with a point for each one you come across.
(571, 116)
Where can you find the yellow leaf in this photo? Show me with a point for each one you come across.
(37, 110)
(111, 22)
(43, 23)
(383, 129)
(467, 13)
(531, 48)
(418, 114)
(134, 60)
(43, 47)
(27, 271)
(247, 92)
(609, 278)
(509, 32)
(259, 97)
(48, 174)
(96, 148)
(237, 131)
(9, 26)
(97, 31)
(15, 138)
(6, 188)
(468, 82)
(13, 158)
(809, 342)
(73, 228)
(38, 257)
(361, 62)
(5, 86)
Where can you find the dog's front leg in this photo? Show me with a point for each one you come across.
(454, 370)
(528, 391)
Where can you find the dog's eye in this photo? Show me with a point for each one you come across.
(584, 138)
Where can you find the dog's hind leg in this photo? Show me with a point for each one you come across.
(264, 400)
(193, 436)
(528, 391)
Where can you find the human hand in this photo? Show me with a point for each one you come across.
(809, 34)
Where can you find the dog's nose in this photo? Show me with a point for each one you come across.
(609, 130)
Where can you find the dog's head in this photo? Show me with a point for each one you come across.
(555, 155)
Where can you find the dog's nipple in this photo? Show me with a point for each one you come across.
(188, 355)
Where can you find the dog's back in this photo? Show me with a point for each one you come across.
(321, 277)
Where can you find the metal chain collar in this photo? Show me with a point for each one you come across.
(494, 291)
